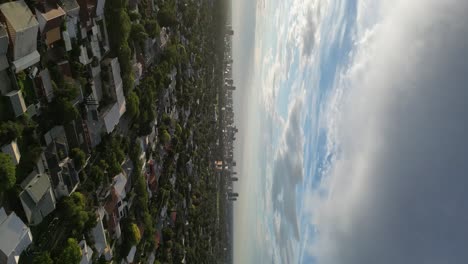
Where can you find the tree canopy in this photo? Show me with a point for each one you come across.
(7, 173)
(71, 254)
(43, 258)
(78, 156)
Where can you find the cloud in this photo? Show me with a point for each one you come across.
(287, 173)
(309, 34)
(397, 189)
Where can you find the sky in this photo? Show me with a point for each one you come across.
(353, 124)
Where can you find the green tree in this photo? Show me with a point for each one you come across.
(10, 131)
(167, 17)
(7, 173)
(125, 58)
(152, 28)
(165, 137)
(79, 157)
(78, 217)
(134, 16)
(71, 254)
(43, 258)
(138, 33)
(97, 174)
(134, 235)
(133, 104)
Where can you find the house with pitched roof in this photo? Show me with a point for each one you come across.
(15, 237)
(22, 28)
(116, 205)
(62, 170)
(13, 151)
(72, 19)
(4, 41)
(17, 102)
(37, 197)
(50, 17)
(113, 87)
(99, 236)
(86, 252)
(44, 85)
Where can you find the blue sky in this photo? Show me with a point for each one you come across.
(320, 82)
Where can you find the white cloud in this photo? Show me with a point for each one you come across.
(397, 189)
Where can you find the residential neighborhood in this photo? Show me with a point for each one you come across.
(113, 116)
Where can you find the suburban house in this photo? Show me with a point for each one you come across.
(99, 235)
(131, 255)
(22, 28)
(37, 197)
(62, 170)
(86, 252)
(90, 9)
(77, 136)
(44, 85)
(72, 18)
(13, 151)
(17, 102)
(15, 237)
(50, 17)
(113, 87)
(3, 48)
(116, 206)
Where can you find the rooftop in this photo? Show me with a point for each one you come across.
(119, 185)
(36, 186)
(70, 5)
(50, 12)
(18, 15)
(12, 232)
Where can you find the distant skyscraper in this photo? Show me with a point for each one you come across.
(234, 179)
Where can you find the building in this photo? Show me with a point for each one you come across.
(62, 170)
(86, 252)
(50, 17)
(99, 235)
(22, 28)
(37, 197)
(15, 237)
(114, 88)
(116, 206)
(90, 9)
(44, 85)
(77, 136)
(3, 48)
(72, 18)
(17, 102)
(13, 151)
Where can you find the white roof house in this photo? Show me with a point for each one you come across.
(131, 255)
(120, 182)
(86, 253)
(37, 197)
(100, 7)
(117, 83)
(22, 28)
(112, 114)
(99, 235)
(15, 237)
(13, 151)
